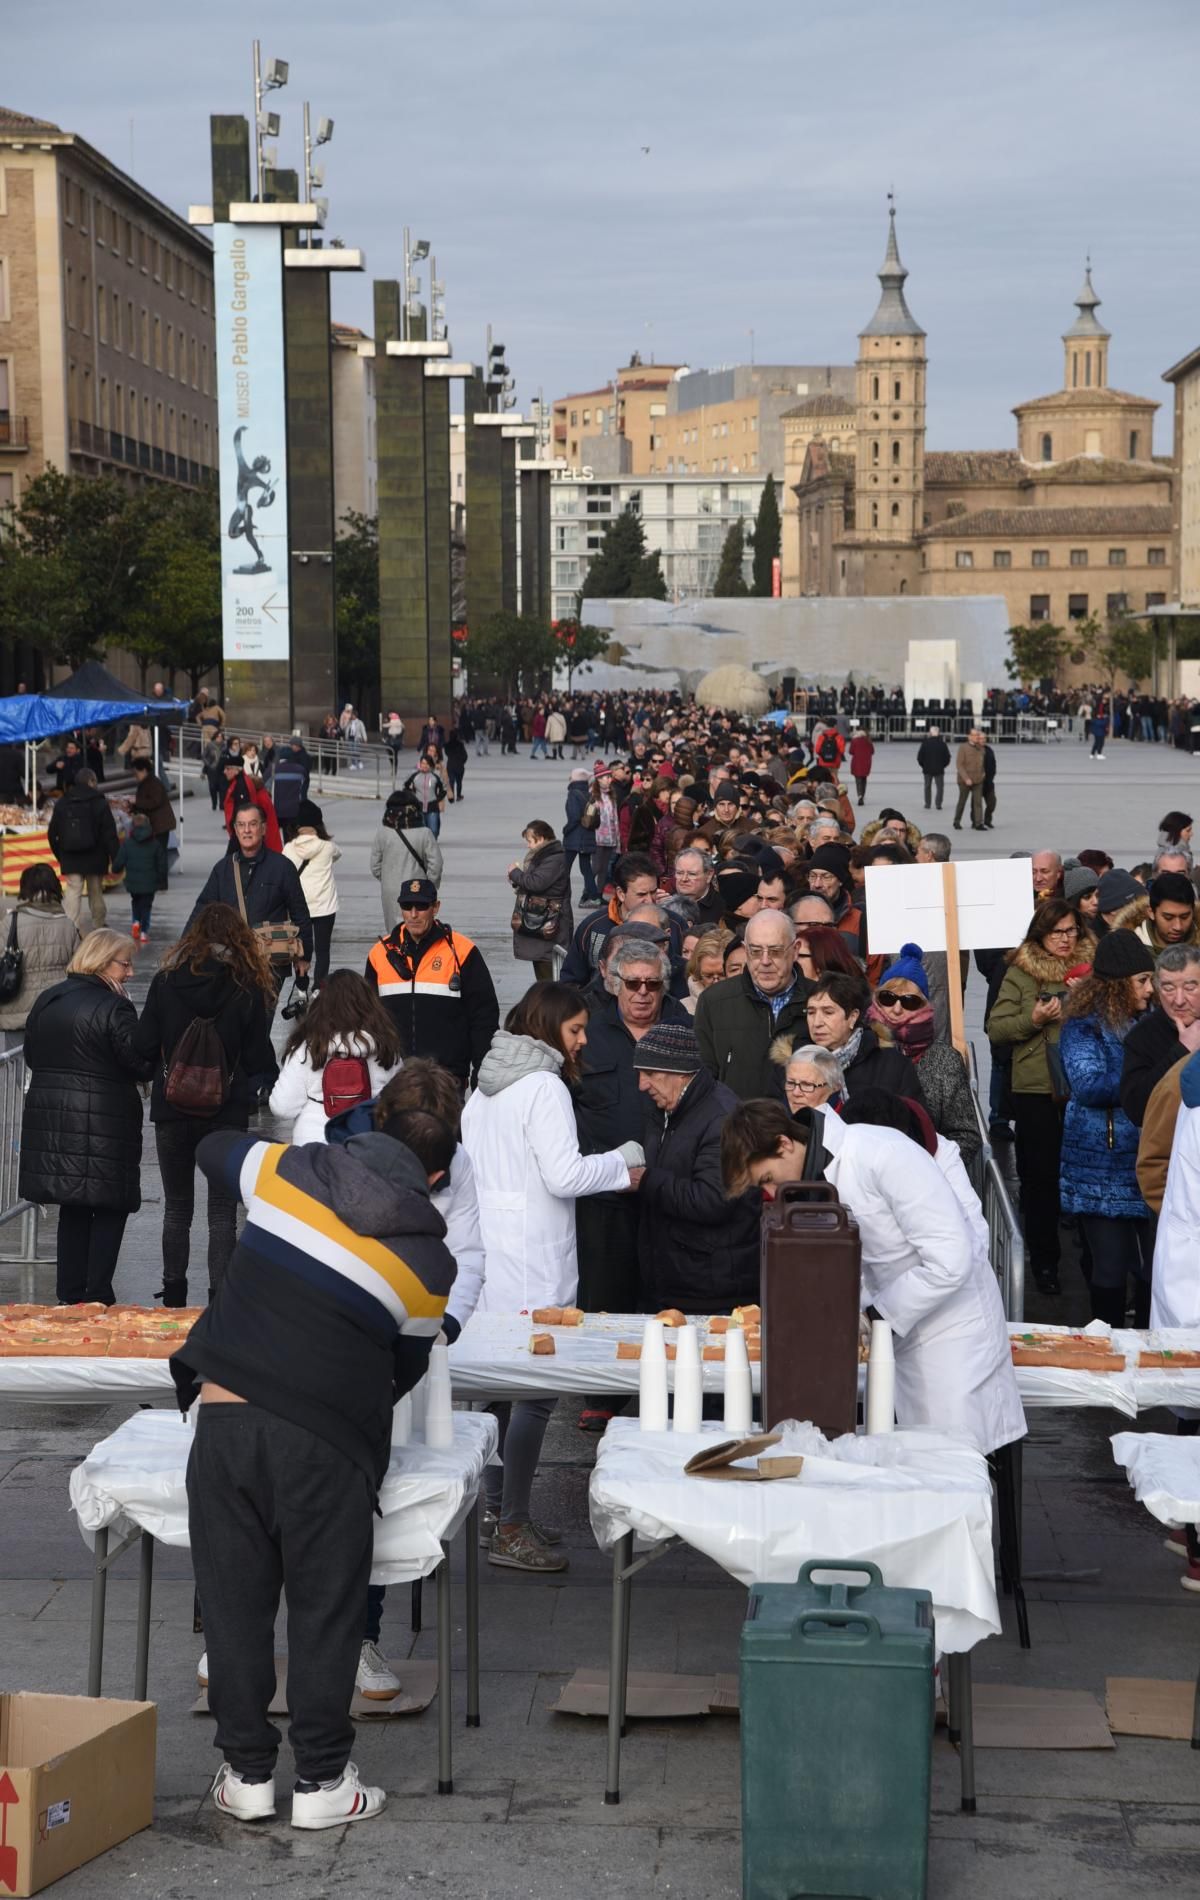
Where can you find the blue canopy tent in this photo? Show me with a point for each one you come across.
(92, 696)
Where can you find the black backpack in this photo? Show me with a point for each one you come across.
(288, 787)
(74, 826)
(196, 1079)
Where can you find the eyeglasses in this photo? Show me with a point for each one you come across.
(804, 1088)
(888, 999)
(636, 983)
(768, 952)
(122, 963)
(417, 907)
(1068, 931)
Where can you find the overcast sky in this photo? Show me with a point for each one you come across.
(1018, 137)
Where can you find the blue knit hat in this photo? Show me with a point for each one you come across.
(909, 966)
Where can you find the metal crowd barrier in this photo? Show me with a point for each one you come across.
(338, 769)
(12, 1207)
(1006, 1242)
(1001, 728)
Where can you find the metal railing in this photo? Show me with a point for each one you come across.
(12, 1206)
(1006, 1242)
(1000, 728)
(338, 769)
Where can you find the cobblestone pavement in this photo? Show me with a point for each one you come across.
(527, 1817)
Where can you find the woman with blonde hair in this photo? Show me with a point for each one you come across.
(81, 1131)
(216, 975)
(706, 965)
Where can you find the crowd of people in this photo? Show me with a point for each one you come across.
(714, 1023)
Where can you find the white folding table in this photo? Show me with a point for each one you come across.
(133, 1483)
(1164, 1474)
(918, 1504)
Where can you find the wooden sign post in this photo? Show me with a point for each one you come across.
(954, 985)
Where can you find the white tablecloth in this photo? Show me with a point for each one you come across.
(1164, 1473)
(491, 1358)
(918, 1504)
(136, 1478)
(87, 1381)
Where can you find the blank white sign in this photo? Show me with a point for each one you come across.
(905, 904)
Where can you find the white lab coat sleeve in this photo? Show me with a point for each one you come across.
(554, 1144)
(459, 1208)
(290, 1093)
(1175, 1285)
(925, 1209)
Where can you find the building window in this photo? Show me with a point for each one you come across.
(70, 298)
(895, 511)
(1115, 605)
(1156, 557)
(963, 557)
(101, 314)
(158, 343)
(1133, 445)
(1087, 369)
(875, 453)
(1002, 557)
(1079, 557)
(895, 455)
(83, 210)
(1077, 606)
(170, 269)
(896, 390)
(85, 304)
(1156, 600)
(116, 327)
(131, 343)
(1047, 448)
(874, 514)
(874, 389)
(1116, 557)
(1040, 557)
(1039, 607)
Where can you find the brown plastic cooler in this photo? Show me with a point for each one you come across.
(811, 1269)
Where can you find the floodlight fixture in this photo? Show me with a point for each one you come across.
(495, 349)
(420, 250)
(276, 75)
(322, 205)
(324, 131)
(268, 125)
(270, 156)
(316, 176)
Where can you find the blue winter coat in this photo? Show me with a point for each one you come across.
(576, 836)
(1097, 1173)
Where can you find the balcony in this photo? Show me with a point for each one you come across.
(14, 431)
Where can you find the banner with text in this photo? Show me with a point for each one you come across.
(252, 426)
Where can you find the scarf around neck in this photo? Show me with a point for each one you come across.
(913, 1035)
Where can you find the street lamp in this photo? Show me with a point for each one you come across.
(413, 254)
(314, 175)
(266, 124)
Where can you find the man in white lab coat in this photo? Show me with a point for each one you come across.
(921, 1268)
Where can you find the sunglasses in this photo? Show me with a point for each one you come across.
(635, 983)
(888, 999)
(420, 907)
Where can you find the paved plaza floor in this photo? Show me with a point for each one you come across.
(527, 1820)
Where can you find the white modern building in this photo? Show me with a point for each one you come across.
(685, 518)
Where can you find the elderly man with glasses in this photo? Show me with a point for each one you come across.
(610, 1108)
(694, 879)
(1165, 1035)
(739, 1019)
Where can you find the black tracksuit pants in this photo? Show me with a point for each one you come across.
(272, 1507)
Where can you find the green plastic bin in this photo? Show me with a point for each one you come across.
(837, 1734)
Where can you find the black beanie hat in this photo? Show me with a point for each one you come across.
(1122, 953)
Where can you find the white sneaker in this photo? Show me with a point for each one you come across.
(245, 1800)
(375, 1677)
(346, 1800)
(202, 1671)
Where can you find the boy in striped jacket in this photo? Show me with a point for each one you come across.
(325, 1316)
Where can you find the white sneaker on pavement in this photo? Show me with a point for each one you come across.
(245, 1800)
(202, 1671)
(375, 1678)
(346, 1800)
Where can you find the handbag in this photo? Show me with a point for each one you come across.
(1060, 1087)
(589, 817)
(12, 965)
(281, 942)
(535, 916)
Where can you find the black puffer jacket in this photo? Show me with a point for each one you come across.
(98, 824)
(81, 1134)
(239, 1016)
(697, 1250)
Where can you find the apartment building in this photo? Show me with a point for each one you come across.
(106, 320)
(685, 518)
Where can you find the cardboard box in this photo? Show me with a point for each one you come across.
(76, 1777)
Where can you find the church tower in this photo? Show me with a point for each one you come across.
(1086, 342)
(890, 403)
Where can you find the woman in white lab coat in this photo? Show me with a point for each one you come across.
(519, 1130)
(923, 1269)
(1175, 1286)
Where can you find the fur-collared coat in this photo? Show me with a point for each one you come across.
(1031, 972)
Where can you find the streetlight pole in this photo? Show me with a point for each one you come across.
(258, 99)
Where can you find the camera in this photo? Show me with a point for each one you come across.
(295, 1006)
